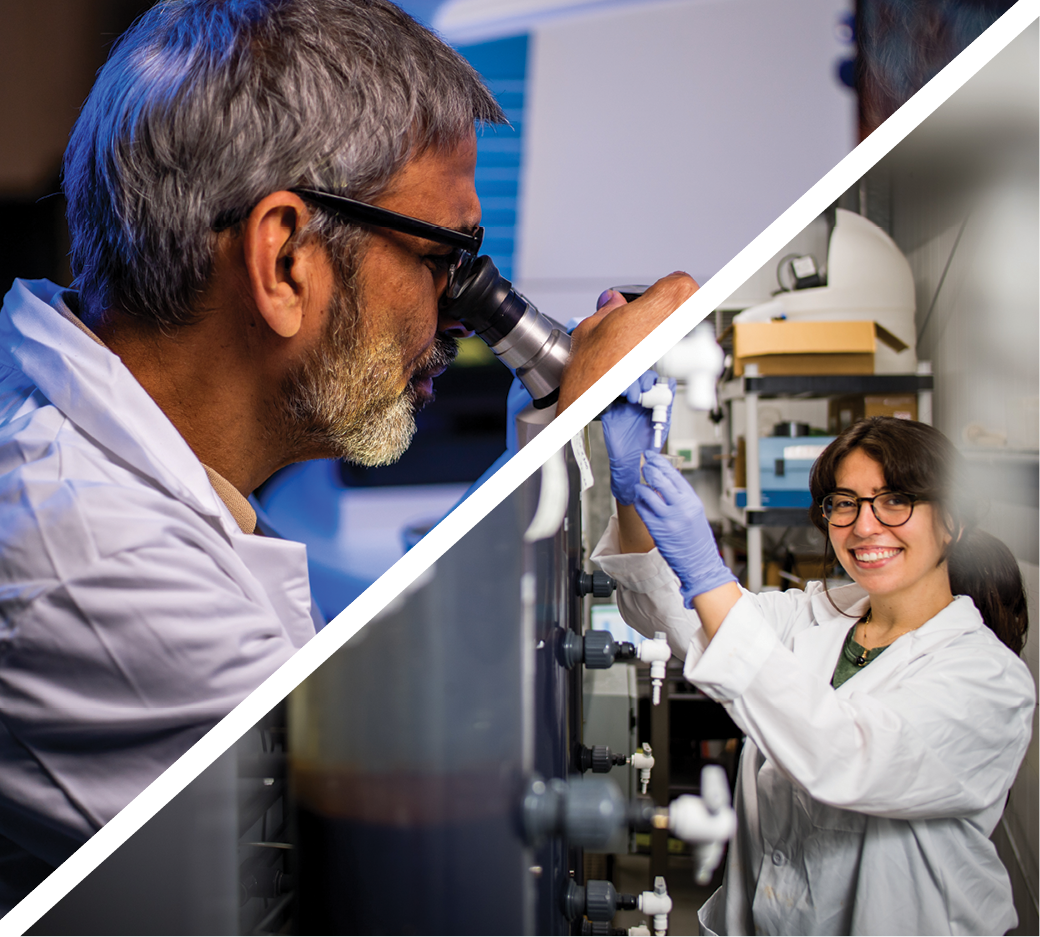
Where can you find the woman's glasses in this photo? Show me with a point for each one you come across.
(891, 508)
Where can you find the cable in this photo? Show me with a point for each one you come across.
(942, 279)
(779, 267)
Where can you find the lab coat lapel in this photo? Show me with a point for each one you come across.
(959, 617)
(281, 568)
(820, 646)
(96, 391)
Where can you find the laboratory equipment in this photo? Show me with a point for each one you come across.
(868, 279)
(533, 345)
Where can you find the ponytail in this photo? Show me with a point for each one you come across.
(983, 568)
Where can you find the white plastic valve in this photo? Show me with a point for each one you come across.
(715, 788)
(707, 821)
(659, 399)
(657, 904)
(643, 760)
(690, 820)
(656, 653)
(697, 360)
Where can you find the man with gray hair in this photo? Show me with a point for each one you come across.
(227, 323)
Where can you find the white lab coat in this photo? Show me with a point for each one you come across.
(862, 810)
(134, 612)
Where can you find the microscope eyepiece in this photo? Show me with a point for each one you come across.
(520, 336)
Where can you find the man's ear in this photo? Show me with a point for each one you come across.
(281, 271)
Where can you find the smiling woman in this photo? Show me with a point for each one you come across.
(920, 544)
(886, 720)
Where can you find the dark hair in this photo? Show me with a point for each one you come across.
(919, 460)
(206, 106)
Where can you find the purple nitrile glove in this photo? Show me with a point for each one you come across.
(628, 431)
(675, 517)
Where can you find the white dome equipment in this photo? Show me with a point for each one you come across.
(868, 279)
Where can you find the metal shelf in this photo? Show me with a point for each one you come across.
(824, 385)
(764, 517)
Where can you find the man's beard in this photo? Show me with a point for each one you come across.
(343, 399)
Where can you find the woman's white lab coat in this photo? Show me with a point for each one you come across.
(862, 810)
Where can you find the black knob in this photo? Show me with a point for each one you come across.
(641, 814)
(627, 902)
(598, 583)
(599, 758)
(598, 901)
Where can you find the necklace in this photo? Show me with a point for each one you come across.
(864, 655)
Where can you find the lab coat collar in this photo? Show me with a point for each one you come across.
(842, 603)
(822, 644)
(852, 601)
(819, 647)
(93, 388)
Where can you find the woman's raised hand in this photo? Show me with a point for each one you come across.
(675, 517)
(628, 431)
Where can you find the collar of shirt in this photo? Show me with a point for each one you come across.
(241, 510)
(823, 644)
(94, 389)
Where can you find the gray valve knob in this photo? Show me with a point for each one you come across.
(598, 901)
(600, 650)
(597, 650)
(598, 583)
(599, 758)
(585, 811)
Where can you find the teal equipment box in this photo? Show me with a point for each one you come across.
(783, 464)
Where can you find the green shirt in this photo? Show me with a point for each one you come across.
(853, 658)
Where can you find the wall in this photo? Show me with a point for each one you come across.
(666, 136)
(963, 192)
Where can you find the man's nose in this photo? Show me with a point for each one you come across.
(449, 324)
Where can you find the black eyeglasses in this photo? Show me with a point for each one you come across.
(891, 508)
(466, 246)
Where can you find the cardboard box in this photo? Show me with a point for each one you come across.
(785, 347)
(844, 411)
(808, 567)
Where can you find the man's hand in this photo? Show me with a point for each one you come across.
(602, 340)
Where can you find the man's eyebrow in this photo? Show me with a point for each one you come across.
(469, 230)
